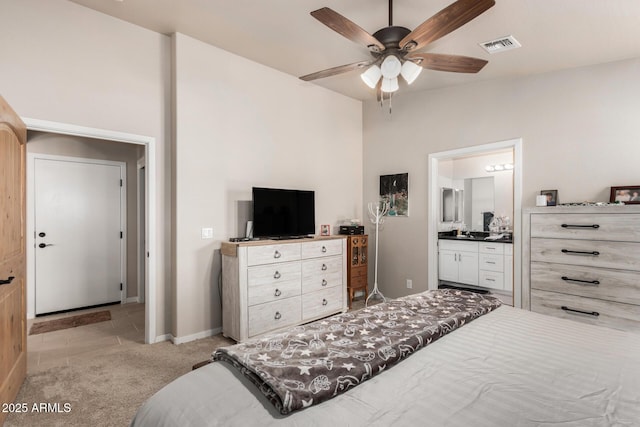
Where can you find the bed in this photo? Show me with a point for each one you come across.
(507, 367)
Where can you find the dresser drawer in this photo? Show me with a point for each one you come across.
(586, 310)
(491, 248)
(321, 248)
(491, 279)
(621, 255)
(274, 315)
(321, 273)
(269, 254)
(273, 282)
(601, 283)
(491, 262)
(322, 303)
(357, 281)
(615, 227)
(359, 271)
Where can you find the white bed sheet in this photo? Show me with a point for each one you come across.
(510, 367)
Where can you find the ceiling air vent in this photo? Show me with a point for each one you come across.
(501, 44)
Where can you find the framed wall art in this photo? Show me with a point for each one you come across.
(394, 190)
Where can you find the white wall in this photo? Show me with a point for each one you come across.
(580, 132)
(241, 124)
(65, 63)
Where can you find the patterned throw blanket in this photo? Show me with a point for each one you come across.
(311, 363)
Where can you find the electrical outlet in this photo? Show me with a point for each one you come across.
(207, 233)
(409, 284)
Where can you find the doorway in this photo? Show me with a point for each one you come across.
(80, 222)
(433, 213)
(149, 148)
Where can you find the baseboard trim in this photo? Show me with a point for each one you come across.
(130, 300)
(161, 338)
(196, 336)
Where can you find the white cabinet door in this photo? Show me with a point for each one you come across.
(468, 268)
(448, 265)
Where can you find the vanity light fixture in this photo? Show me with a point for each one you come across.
(499, 167)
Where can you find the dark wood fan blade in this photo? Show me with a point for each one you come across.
(442, 23)
(336, 70)
(453, 63)
(347, 28)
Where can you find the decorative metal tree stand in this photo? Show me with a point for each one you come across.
(376, 215)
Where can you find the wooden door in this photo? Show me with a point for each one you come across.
(13, 328)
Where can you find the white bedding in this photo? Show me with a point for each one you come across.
(510, 368)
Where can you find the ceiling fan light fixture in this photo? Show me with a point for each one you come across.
(390, 67)
(371, 76)
(410, 71)
(389, 85)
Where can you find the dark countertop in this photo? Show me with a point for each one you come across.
(473, 237)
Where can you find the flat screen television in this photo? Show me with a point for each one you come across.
(280, 213)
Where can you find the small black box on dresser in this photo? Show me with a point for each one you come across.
(351, 229)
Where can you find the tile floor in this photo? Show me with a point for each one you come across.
(63, 347)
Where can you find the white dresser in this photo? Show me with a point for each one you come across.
(268, 285)
(583, 263)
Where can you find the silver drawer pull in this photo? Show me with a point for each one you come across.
(277, 254)
(324, 267)
(277, 275)
(324, 301)
(277, 316)
(324, 282)
(277, 293)
(490, 280)
(594, 226)
(324, 249)
(490, 262)
(586, 282)
(572, 311)
(570, 252)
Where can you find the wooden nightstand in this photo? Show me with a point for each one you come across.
(357, 262)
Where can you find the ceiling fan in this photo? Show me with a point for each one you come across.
(394, 49)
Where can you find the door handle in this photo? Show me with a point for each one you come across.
(44, 245)
(7, 281)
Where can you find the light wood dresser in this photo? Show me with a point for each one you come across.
(583, 263)
(268, 285)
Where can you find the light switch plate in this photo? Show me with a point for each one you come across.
(207, 233)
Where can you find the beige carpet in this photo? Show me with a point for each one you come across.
(106, 388)
(70, 322)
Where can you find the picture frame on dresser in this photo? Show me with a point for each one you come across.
(325, 230)
(552, 196)
(629, 194)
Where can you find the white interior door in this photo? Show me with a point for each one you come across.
(79, 214)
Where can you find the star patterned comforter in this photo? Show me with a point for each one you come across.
(311, 363)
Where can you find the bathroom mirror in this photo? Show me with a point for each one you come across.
(452, 204)
(479, 203)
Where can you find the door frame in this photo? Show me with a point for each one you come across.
(31, 231)
(151, 201)
(434, 203)
(142, 273)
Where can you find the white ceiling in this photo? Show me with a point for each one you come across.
(281, 34)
